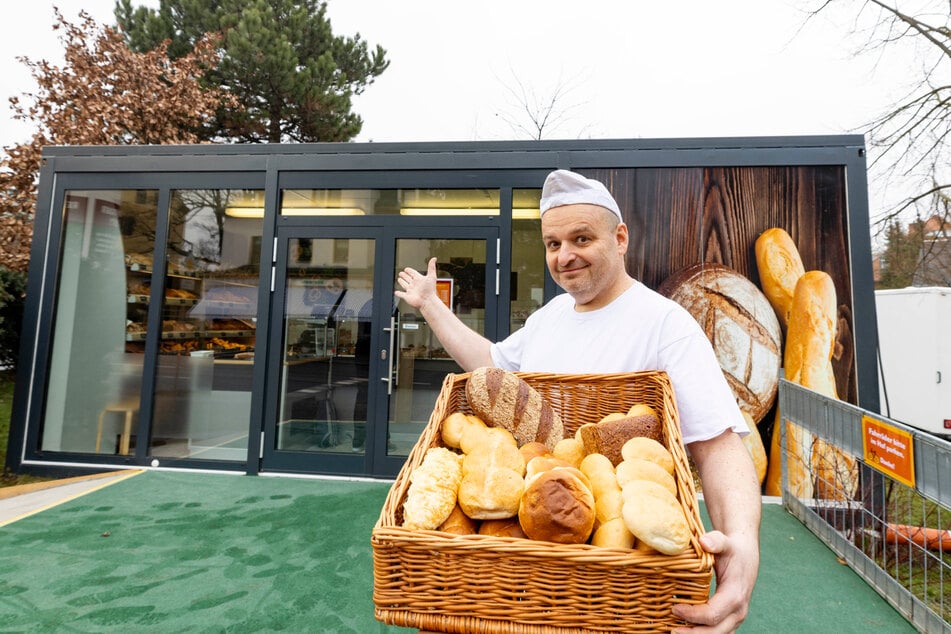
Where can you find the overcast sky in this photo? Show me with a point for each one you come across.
(683, 68)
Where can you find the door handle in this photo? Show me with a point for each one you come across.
(392, 368)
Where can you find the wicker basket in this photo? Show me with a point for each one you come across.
(469, 584)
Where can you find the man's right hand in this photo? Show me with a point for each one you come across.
(418, 289)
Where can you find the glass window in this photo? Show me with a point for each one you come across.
(403, 202)
(528, 257)
(209, 316)
(95, 377)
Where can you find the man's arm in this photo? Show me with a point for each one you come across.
(469, 349)
(732, 496)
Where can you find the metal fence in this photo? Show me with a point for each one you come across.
(878, 493)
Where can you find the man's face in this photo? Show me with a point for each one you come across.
(584, 250)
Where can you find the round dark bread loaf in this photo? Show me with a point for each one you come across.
(741, 325)
(502, 399)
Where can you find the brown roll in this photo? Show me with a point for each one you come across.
(608, 436)
(741, 325)
(458, 523)
(558, 507)
(503, 399)
(502, 528)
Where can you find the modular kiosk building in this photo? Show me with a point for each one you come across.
(232, 308)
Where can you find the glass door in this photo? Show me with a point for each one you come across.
(353, 372)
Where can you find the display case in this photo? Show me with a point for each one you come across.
(199, 312)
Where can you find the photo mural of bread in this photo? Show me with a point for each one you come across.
(681, 216)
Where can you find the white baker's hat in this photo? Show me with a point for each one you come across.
(563, 187)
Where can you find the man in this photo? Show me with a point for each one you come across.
(609, 322)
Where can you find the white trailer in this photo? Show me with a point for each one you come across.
(914, 336)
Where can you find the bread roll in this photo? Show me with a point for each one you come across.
(503, 399)
(655, 517)
(608, 506)
(558, 507)
(571, 450)
(613, 534)
(780, 267)
(639, 469)
(607, 437)
(433, 489)
(459, 523)
(742, 328)
(600, 473)
(455, 425)
(543, 463)
(648, 449)
(639, 409)
(532, 449)
(502, 528)
(492, 475)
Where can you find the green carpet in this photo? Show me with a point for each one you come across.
(200, 552)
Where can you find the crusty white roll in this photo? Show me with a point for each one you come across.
(655, 517)
(492, 475)
(648, 449)
(639, 469)
(558, 506)
(613, 534)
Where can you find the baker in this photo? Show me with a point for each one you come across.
(608, 322)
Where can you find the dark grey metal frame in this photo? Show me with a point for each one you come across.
(505, 165)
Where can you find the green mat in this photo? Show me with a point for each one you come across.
(203, 552)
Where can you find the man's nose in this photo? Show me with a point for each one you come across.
(566, 254)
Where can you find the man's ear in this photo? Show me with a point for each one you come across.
(622, 237)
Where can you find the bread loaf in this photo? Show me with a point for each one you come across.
(780, 267)
(433, 489)
(503, 399)
(557, 507)
(741, 325)
(609, 435)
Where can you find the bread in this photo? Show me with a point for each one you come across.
(600, 473)
(655, 517)
(608, 506)
(754, 444)
(492, 475)
(558, 507)
(639, 469)
(608, 436)
(642, 408)
(543, 463)
(741, 325)
(533, 449)
(613, 534)
(459, 523)
(454, 427)
(780, 267)
(571, 450)
(502, 399)
(648, 449)
(502, 528)
(433, 489)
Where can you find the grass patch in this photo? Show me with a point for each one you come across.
(6, 406)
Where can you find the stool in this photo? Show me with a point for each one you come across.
(129, 407)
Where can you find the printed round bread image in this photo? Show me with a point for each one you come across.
(742, 326)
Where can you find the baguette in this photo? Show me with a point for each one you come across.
(780, 267)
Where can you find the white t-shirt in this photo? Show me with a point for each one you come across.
(640, 330)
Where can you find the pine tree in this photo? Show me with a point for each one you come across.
(901, 256)
(294, 79)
